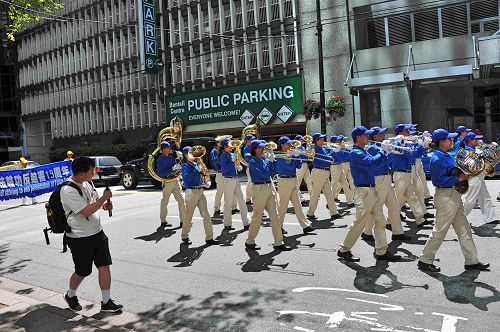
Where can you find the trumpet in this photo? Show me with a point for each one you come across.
(271, 146)
(343, 147)
(395, 148)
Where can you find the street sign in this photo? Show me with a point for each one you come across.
(284, 114)
(265, 116)
(247, 117)
(147, 33)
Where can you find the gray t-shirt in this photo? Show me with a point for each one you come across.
(72, 201)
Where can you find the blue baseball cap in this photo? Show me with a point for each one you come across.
(165, 144)
(402, 126)
(249, 136)
(317, 136)
(377, 130)
(472, 135)
(285, 140)
(186, 149)
(442, 134)
(299, 137)
(225, 142)
(258, 144)
(360, 130)
(461, 129)
(341, 137)
(334, 139)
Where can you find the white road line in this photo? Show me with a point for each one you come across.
(385, 306)
(303, 289)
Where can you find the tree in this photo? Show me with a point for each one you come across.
(22, 12)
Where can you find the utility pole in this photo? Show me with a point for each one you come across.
(319, 28)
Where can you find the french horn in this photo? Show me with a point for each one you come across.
(468, 163)
(173, 134)
(491, 155)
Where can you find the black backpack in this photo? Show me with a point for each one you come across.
(56, 216)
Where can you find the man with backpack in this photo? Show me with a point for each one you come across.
(85, 237)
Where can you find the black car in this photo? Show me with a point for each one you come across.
(137, 170)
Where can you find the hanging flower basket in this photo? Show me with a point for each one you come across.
(336, 107)
(311, 109)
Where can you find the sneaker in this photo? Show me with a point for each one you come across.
(305, 203)
(283, 231)
(249, 203)
(348, 256)
(229, 228)
(308, 229)
(212, 242)
(478, 266)
(165, 223)
(217, 214)
(388, 227)
(246, 227)
(110, 306)
(187, 241)
(234, 211)
(313, 217)
(72, 302)
(428, 267)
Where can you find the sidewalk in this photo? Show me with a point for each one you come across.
(25, 307)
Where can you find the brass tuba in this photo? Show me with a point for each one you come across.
(253, 129)
(491, 155)
(174, 134)
(196, 154)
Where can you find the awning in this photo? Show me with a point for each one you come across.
(440, 73)
(377, 80)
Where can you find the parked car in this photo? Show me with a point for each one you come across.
(107, 170)
(426, 160)
(16, 164)
(136, 170)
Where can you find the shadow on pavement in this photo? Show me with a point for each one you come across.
(227, 237)
(222, 311)
(486, 230)
(13, 267)
(186, 255)
(161, 233)
(463, 287)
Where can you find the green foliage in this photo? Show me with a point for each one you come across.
(22, 12)
(336, 106)
(123, 152)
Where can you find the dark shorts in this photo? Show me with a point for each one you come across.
(88, 250)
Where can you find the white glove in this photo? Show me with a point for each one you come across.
(271, 157)
(239, 168)
(208, 184)
(420, 142)
(337, 148)
(479, 151)
(480, 142)
(427, 141)
(494, 143)
(385, 147)
(426, 134)
(177, 167)
(179, 154)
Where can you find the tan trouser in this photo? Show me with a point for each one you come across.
(404, 193)
(386, 194)
(368, 205)
(339, 181)
(479, 193)
(172, 187)
(287, 190)
(264, 198)
(219, 179)
(418, 188)
(449, 211)
(421, 174)
(304, 174)
(321, 183)
(196, 198)
(249, 191)
(232, 188)
(346, 167)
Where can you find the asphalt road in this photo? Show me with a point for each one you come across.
(225, 288)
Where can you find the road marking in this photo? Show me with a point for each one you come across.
(449, 322)
(362, 315)
(303, 289)
(386, 307)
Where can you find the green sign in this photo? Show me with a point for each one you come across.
(147, 33)
(244, 102)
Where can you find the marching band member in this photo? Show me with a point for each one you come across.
(303, 172)
(461, 131)
(320, 176)
(401, 167)
(385, 191)
(195, 197)
(219, 179)
(419, 167)
(477, 188)
(164, 167)
(246, 150)
(338, 177)
(368, 204)
(264, 195)
(231, 185)
(287, 186)
(449, 208)
(346, 168)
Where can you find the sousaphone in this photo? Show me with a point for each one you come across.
(173, 134)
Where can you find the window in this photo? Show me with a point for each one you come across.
(262, 11)
(291, 50)
(278, 53)
(218, 61)
(399, 29)
(197, 66)
(288, 8)
(227, 18)
(230, 60)
(241, 58)
(239, 16)
(426, 25)
(250, 13)
(196, 26)
(370, 108)
(216, 21)
(206, 23)
(275, 10)
(253, 55)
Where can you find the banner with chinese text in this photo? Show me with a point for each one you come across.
(31, 182)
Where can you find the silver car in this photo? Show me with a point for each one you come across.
(107, 170)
